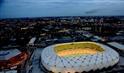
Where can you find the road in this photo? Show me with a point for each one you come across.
(35, 59)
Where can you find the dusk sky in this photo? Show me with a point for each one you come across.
(41, 8)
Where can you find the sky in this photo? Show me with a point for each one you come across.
(42, 8)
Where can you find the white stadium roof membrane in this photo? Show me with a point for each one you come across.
(55, 63)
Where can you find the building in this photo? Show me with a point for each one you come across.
(12, 59)
(78, 57)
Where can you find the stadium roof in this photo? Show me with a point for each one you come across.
(55, 63)
(7, 54)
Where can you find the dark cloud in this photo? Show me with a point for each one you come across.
(92, 11)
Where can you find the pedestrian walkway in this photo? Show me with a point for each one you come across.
(35, 59)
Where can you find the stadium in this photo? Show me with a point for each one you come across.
(76, 57)
(12, 58)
